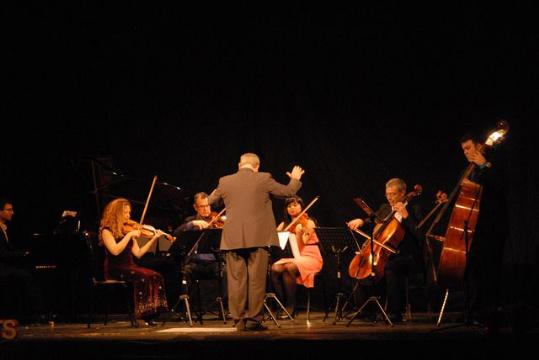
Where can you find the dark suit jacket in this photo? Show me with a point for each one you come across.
(247, 196)
(413, 239)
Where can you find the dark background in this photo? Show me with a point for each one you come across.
(355, 95)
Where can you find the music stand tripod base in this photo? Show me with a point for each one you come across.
(271, 295)
(185, 299)
(338, 308)
(336, 241)
(375, 299)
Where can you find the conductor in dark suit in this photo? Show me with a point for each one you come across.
(248, 233)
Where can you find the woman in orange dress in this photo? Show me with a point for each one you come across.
(301, 269)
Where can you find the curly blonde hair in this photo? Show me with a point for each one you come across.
(113, 217)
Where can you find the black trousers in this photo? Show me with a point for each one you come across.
(392, 286)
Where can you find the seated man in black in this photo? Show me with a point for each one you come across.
(409, 255)
(15, 274)
(201, 265)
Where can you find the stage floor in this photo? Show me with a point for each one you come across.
(298, 338)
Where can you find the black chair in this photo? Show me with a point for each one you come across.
(414, 281)
(99, 285)
(308, 292)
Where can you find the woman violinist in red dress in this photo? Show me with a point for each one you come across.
(119, 236)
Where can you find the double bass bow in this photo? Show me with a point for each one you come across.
(461, 227)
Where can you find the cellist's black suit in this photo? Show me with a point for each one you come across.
(398, 266)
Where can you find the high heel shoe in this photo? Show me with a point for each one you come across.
(149, 322)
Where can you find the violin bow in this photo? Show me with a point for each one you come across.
(148, 200)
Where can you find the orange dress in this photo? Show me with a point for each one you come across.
(309, 262)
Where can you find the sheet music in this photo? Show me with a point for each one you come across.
(284, 237)
(141, 241)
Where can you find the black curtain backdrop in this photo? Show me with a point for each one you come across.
(354, 95)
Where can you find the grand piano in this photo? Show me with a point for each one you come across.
(59, 262)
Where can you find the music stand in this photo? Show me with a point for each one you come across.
(187, 244)
(179, 249)
(208, 242)
(336, 240)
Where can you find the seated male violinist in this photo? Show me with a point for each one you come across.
(201, 265)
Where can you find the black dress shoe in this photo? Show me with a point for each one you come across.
(42, 319)
(395, 318)
(369, 317)
(257, 326)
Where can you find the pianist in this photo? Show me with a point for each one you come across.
(19, 289)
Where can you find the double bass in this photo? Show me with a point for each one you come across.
(461, 227)
(387, 234)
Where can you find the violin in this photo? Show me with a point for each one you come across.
(146, 231)
(301, 217)
(303, 220)
(217, 219)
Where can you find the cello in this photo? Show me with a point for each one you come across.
(461, 227)
(387, 236)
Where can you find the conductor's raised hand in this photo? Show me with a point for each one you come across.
(297, 173)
